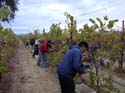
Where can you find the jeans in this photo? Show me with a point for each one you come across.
(35, 51)
(31, 48)
(43, 56)
(67, 84)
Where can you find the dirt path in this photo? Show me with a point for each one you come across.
(29, 78)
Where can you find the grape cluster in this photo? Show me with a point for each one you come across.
(88, 59)
(94, 47)
(101, 61)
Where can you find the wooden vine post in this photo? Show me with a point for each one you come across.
(0, 62)
(122, 48)
(71, 23)
(71, 31)
(96, 71)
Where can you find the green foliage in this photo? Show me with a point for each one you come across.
(101, 23)
(55, 31)
(56, 60)
(4, 13)
(3, 70)
(111, 23)
(86, 27)
(104, 38)
(92, 77)
(36, 33)
(8, 43)
(9, 5)
(72, 25)
(107, 81)
(106, 18)
(91, 20)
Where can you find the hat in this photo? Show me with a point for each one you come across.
(85, 44)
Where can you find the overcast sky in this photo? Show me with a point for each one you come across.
(41, 14)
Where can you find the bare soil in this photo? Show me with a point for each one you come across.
(27, 77)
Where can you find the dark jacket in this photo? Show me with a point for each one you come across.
(32, 41)
(71, 63)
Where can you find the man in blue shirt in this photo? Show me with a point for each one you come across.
(70, 65)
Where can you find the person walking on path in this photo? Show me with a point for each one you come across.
(27, 44)
(32, 42)
(36, 48)
(70, 65)
(43, 50)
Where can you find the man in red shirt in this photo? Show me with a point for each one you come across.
(43, 50)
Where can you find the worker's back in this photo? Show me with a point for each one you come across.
(71, 62)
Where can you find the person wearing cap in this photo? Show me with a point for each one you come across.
(70, 65)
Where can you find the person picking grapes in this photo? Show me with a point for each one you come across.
(43, 51)
(70, 65)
